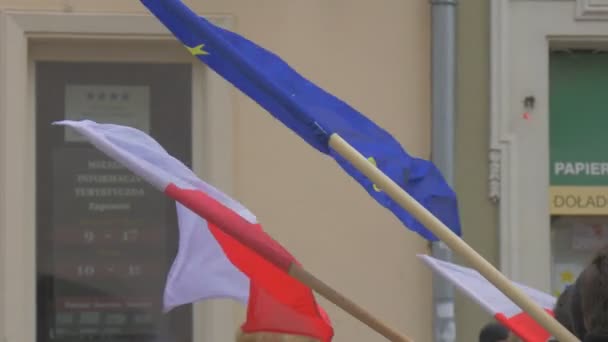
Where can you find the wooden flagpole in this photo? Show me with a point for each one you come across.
(452, 240)
(346, 304)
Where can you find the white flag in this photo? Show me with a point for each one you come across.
(476, 287)
(201, 269)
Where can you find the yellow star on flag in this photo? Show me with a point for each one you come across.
(197, 50)
(373, 161)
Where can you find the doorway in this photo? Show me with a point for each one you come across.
(105, 240)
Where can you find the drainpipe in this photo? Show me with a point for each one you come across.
(443, 69)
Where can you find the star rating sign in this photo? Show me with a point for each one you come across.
(107, 96)
(197, 50)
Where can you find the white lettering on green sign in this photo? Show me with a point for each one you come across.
(580, 169)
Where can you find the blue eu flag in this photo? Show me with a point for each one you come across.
(312, 113)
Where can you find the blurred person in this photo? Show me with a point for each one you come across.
(562, 311)
(592, 286)
(494, 332)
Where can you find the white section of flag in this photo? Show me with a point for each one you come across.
(482, 291)
(200, 270)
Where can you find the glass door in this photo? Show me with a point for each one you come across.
(105, 239)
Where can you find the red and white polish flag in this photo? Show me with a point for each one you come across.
(223, 251)
(480, 290)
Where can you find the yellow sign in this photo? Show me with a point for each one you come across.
(578, 200)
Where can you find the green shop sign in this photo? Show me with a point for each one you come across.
(578, 126)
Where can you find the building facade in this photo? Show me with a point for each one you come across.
(65, 59)
(531, 108)
(479, 212)
(547, 68)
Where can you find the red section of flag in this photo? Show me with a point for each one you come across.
(525, 327)
(265, 313)
(277, 302)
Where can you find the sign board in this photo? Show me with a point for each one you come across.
(105, 239)
(121, 105)
(578, 134)
(109, 246)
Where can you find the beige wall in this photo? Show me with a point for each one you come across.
(479, 215)
(374, 57)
